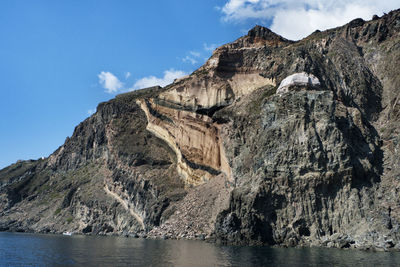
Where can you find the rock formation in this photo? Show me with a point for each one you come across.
(269, 142)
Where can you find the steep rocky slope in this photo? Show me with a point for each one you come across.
(223, 154)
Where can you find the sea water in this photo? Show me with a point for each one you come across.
(21, 249)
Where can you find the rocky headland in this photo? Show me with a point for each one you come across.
(270, 142)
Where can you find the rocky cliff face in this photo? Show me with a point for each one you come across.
(223, 154)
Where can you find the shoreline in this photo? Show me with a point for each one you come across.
(210, 240)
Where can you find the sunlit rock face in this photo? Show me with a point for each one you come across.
(213, 90)
(193, 137)
(233, 71)
(228, 153)
(298, 79)
(194, 93)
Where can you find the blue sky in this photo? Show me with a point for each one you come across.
(59, 59)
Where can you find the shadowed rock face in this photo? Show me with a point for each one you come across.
(269, 142)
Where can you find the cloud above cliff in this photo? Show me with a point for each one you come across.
(169, 76)
(113, 85)
(110, 82)
(190, 59)
(295, 19)
(210, 47)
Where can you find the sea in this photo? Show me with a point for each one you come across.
(22, 249)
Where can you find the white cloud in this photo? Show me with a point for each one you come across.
(195, 57)
(295, 19)
(169, 76)
(308, 21)
(113, 85)
(194, 53)
(190, 60)
(91, 111)
(210, 47)
(110, 82)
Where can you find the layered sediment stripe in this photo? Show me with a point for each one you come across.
(193, 138)
(126, 205)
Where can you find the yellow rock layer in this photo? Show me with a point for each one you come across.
(213, 90)
(191, 136)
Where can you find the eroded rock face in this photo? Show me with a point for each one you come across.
(231, 72)
(213, 90)
(193, 137)
(194, 94)
(228, 155)
(300, 171)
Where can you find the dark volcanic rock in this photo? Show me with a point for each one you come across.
(260, 32)
(219, 155)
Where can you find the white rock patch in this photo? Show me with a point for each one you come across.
(301, 79)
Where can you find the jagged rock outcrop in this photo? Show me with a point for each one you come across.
(269, 142)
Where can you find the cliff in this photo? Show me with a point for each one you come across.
(269, 142)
